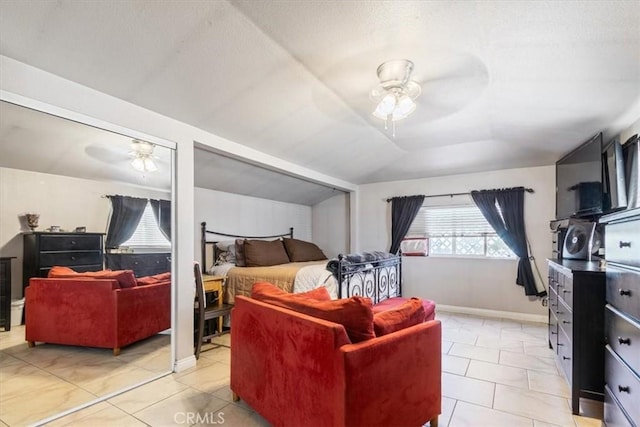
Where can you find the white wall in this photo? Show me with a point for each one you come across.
(248, 216)
(60, 200)
(476, 283)
(331, 225)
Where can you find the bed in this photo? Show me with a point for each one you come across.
(376, 275)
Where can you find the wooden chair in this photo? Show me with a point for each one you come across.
(204, 312)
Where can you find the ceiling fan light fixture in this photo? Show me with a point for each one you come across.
(396, 93)
(142, 156)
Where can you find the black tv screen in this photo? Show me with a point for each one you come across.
(579, 181)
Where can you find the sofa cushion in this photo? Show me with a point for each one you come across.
(353, 313)
(125, 278)
(300, 251)
(262, 290)
(151, 280)
(409, 313)
(262, 253)
(429, 306)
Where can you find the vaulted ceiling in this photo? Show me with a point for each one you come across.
(504, 84)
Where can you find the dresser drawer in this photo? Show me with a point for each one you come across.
(623, 242)
(565, 290)
(565, 355)
(623, 290)
(613, 414)
(70, 243)
(69, 259)
(553, 331)
(623, 336)
(565, 320)
(624, 384)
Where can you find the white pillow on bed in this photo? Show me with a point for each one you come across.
(227, 246)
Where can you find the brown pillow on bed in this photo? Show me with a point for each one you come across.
(262, 253)
(300, 251)
(240, 261)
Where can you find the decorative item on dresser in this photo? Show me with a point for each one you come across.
(41, 251)
(5, 292)
(622, 319)
(142, 264)
(576, 303)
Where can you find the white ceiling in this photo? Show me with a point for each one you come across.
(35, 141)
(505, 84)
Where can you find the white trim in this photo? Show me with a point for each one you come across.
(98, 400)
(184, 364)
(82, 119)
(483, 312)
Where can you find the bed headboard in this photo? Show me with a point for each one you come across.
(209, 246)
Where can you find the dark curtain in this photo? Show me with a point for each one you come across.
(125, 216)
(403, 212)
(510, 228)
(162, 212)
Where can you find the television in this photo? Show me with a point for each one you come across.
(579, 181)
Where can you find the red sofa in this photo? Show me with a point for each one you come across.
(95, 312)
(298, 370)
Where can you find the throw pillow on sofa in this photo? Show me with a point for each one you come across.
(125, 278)
(353, 313)
(407, 314)
(155, 279)
(262, 290)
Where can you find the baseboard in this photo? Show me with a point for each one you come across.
(483, 312)
(184, 364)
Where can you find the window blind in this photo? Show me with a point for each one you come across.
(147, 233)
(436, 221)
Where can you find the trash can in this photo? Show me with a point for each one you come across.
(17, 306)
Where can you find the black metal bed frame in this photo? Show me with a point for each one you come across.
(377, 280)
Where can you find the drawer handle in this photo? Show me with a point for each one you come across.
(73, 258)
(73, 242)
(626, 341)
(624, 389)
(624, 292)
(566, 358)
(560, 344)
(554, 333)
(558, 312)
(565, 321)
(625, 244)
(566, 291)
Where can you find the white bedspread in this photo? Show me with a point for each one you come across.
(314, 276)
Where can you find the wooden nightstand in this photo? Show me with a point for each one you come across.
(214, 292)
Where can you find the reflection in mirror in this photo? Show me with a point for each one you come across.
(77, 199)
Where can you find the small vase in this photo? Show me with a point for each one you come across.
(32, 220)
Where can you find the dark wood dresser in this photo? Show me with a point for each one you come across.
(79, 251)
(141, 264)
(576, 325)
(5, 292)
(622, 319)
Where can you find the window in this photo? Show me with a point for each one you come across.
(147, 234)
(458, 231)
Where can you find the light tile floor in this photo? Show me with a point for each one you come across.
(496, 372)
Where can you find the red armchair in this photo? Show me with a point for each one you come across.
(95, 312)
(296, 370)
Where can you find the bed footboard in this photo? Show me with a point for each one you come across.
(377, 280)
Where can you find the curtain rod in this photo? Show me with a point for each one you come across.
(528, 190)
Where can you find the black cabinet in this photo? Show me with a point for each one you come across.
(141, 264)
(622, 318)
(79, 251)
(576, 326)
(5, 292)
